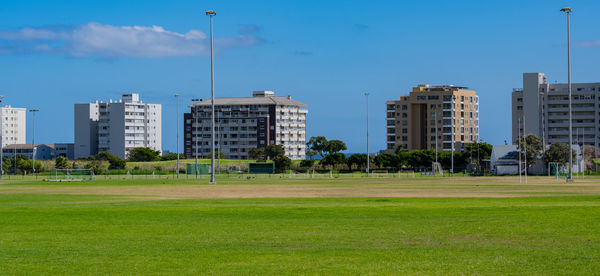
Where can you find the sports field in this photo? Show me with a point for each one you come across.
(275, 225)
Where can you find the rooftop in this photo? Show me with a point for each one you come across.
(259, 97)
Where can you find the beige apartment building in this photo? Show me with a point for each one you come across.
(543, 109)
(433, 116)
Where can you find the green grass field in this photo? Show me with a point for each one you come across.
(301, 226)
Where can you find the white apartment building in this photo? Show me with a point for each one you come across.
(13, 125)
(543, 108)
(117, 126)
(247, 122)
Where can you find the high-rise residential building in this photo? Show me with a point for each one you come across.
(13, 125)
(450, 113)
(117, 126)
(543, 109)
(245, 123)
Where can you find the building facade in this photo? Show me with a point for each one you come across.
(13, 126)
(245, 123)
(42, 151)
(542, 109)
(66, 150)
(433, 116)
(117, 126)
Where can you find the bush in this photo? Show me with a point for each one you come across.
(144, 155)
(115, 163)
(282, 163)
(307, 163)
(171, 156)
(95, 166)
(61, 163)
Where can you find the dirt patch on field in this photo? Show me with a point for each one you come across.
(445, 187)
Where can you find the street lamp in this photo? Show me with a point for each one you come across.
(368, 156)
(177, 125)
(567, 10)
(33, 111)
(195, 113)
(210, 14)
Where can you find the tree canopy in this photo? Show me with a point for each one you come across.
(144, 155)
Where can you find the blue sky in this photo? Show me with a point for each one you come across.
(323, 53)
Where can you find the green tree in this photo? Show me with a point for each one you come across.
(25, 165)
(420, 158)
(272, 151)
(334, 146)
(317, 145)
(385, 160)
(358, 159)
(282, 163)
(558, 152)
(171, 156)
(95, 166)
(143, 155)
(61, 163)
(483, 149)
(531, 148)
(256, 153)
(114, 162)
(333, 159)
(307, 163)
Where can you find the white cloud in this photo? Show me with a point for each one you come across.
(97, 40)
(591, 43)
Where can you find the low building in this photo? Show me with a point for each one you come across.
(42, 151)
(505, 161)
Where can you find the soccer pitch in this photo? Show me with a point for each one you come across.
(281, 226)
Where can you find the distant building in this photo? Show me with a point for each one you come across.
(117, 126)
(245, 123)
(66, 150)
(543, 108)
(449, 112)
(42, 151)
(505, 161)
(13, 125)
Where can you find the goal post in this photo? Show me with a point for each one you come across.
(60, 175)
(436, 168)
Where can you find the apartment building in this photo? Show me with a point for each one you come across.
(12, 125)
(542, 108)
(117, 126)
(245, 123)
(433, 116)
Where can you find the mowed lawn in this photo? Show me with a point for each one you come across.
(135, 233)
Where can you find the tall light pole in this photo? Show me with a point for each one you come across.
(452, 140)
(210, 14)
(1, 139)
(520, 153)
(195, 113)
(368, 155)
(567, 10)
(436, 135)
(525, 148)
(177, 125)
(33, 111)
